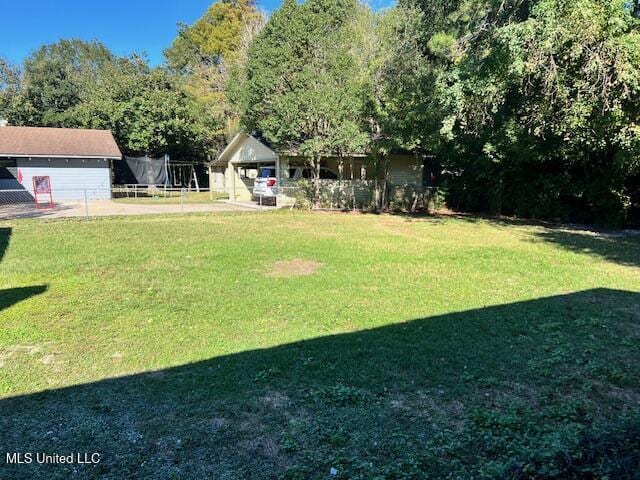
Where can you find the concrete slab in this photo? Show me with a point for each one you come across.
(101, 208)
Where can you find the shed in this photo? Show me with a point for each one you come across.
(78, 161)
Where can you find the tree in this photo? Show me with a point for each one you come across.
(53, 78)
(148, 111)
(393, 71)
(78, 84)
(302, 90)
(9, 88)
(209, 52)
(213, 39)
(538, 104)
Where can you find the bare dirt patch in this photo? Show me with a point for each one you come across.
(21, 350)
(275, 400)
(293, 268)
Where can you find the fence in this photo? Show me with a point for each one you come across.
(338, 195)
(303, 194)
(21, 203)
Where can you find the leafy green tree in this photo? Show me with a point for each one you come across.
(148, 111)
(302, 90)
(9, 88)
(53, 78)
(537, 104)
(393, 70)
(213, 39)
(77, 84)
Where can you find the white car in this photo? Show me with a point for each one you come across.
(265, 186)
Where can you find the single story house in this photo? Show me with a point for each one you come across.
(235, 169)
(76, 160)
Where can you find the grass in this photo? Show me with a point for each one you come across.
(173, 198)
(399, 347)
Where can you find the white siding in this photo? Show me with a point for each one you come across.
(217, 179)
(69, 177)
(251, 150)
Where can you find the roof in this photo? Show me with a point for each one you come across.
(252, 150)
(57, 142)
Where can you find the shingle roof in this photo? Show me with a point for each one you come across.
(57, 142)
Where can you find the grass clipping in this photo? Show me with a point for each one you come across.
(293, 268)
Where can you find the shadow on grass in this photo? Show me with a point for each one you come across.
(619, 247)
(11, 296)
(623, 249)
(373, 402)
(5, 236)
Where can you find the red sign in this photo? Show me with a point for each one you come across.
(42, 186)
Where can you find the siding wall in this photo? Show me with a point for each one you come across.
(405, 170)
(69, 178)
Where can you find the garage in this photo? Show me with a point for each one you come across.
(77, 162)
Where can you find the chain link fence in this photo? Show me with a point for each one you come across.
(88, 202)
(362, 195)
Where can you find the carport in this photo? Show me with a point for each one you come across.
(235, 169)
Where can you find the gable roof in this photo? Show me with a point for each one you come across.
(249, 150)
(57, 143)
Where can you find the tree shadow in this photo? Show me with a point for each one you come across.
(5, 237)
(621, 248)
(367, 399)
(11, 296)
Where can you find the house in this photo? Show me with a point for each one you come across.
(76, 160)
(235, 169)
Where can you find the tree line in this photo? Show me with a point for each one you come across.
(530, 107)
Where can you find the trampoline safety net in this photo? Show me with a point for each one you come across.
(142, 170)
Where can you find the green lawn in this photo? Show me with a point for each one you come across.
(173, 198)
(414, 348)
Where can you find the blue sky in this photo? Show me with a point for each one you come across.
(124, 26)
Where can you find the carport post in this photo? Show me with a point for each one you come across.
(278, 179)
(235, 174)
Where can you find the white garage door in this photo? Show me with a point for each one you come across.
(70, 178)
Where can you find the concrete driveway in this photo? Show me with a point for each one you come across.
(101, 208)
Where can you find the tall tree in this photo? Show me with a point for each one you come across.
(392, 69)
(538, 104)
(208, 53)
(302, 89)
(77, 84)
(148, 111)
(53, 77)
(9, 88)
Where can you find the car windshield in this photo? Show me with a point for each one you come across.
(267, 172)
